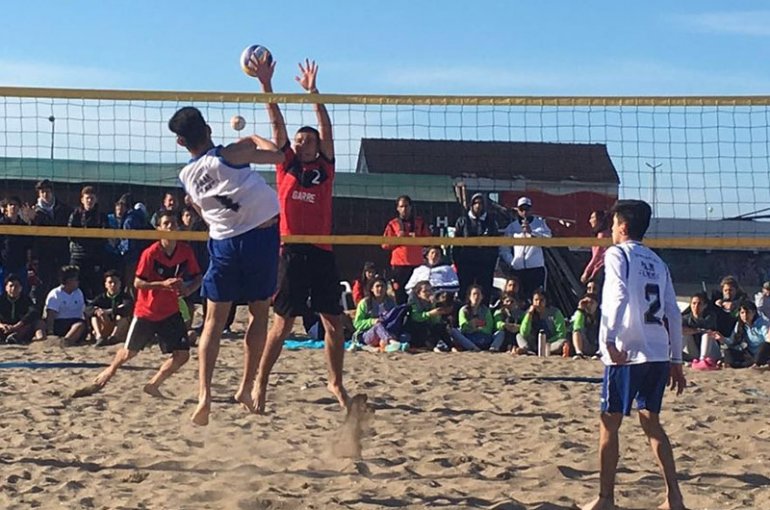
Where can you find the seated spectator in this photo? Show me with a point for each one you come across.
(727, 302)
(427, 323)
(507, 323)
(362, 283)
(19, 317)
(541, 317)
(762, 300)
(585, 327)
(65, 308)
(13, 248)
(697, 320)
(592, 287)
(371, 313)
(476, 324)
(442, 276)
(748, 345)
(111, 312)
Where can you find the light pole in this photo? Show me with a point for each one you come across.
(52, 120)
(654, 169)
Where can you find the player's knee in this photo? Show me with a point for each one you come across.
(650, 423)
(181, 357)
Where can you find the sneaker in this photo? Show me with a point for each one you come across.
(709, 364)
(579, 355)
(699, 364)
(100, 342)
(441, 346)
(12, 339)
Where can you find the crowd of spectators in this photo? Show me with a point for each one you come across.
(79, 288)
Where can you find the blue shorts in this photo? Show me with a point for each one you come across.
(243, 268)
(644, 383)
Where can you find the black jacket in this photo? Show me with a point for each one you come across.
(22, 310)
(13, 249)
(486, 226)
(122, 304)
(52, 251)
(87, 248)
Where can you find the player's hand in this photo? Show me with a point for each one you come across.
(676, 378)
(307, 76)
(617, 357)
(263, 70)
(174, 284)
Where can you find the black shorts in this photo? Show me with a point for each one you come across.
(62, 326)
(171, 334)
(306, 272)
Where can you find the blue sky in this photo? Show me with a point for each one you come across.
(480, 47)
(484, 47)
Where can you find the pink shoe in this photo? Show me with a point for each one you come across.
(710, 364)
(698, 364)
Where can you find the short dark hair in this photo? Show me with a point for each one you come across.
(67, 273)
(188, 123)
(310, 129)
(12, 199)
(540, 292)
(112, 274)
(635, 214)
(44, 184)
(407, 198)
(473, 287)
(169, 214)
(88, 190)
(702, 296)
(127, 199)
(12, 277)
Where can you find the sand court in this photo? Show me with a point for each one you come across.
(448, 431)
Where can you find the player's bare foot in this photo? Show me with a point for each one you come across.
(599, 504)
(340, 393)
(201, 415)
(104, 377)
(259, 397)
(153, 390)
(672, 505)
(245, 400)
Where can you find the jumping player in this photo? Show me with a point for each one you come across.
(160, 275)
(242, 213)
(641, 353)
(305, 179)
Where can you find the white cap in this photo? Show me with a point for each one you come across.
(524, 201)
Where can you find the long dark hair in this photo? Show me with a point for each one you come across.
(368, 266)
(740, 330)
(602, 221)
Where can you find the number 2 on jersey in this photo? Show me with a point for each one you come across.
(652, 295)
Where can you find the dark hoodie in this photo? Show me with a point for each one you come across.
(469, 225)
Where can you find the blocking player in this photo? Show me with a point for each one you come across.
(242, 213)
(641, 353)
(160, 279)
(305, 179)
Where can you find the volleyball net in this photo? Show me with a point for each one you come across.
(701, 162)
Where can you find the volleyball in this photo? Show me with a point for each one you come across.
(237, 122)
(261, 53)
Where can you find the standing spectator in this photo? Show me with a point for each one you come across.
(169, 203)
(762, 300)
(113, 254)
(65, 308)
(476, 264)
(442, 276)
(600, 228)
(403, 259)
(19, 317)
(52, 252)
(541, 317)
(88, 253)
(362, 282)
(131, 249)
(525, 262)
(14, 249)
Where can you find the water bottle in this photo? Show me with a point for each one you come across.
(542, 344)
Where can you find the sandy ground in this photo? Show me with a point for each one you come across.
(449, 431)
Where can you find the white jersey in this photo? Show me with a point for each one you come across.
(637, 296)
(233, 200)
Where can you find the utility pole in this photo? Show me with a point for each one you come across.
(52, 120)
(654, 169)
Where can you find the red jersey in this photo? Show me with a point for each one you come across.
(402, 255)
(305, 195)
(155, 266)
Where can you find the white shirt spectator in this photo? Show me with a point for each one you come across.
(67, 306)
(442, 277)
(525, 257)
(637, 295)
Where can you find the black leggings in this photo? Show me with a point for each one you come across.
(743, 359)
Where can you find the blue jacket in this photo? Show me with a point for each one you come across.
(753, 336)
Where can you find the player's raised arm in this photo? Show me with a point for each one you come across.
(252, 149)
(264, 73)
(307, 80)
